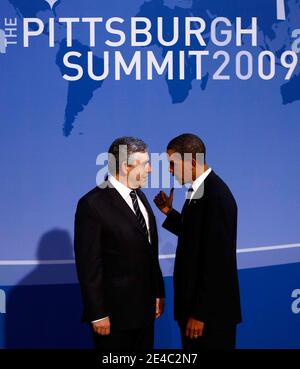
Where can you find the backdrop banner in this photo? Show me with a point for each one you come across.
(77, 74)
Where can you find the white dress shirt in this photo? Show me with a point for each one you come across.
(124, 191)
(198, 182)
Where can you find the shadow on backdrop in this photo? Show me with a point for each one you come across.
(44, 309)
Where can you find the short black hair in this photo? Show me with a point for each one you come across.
(187, 143)
(116, 151)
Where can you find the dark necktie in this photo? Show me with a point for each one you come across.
(187, 201)
(138, 212)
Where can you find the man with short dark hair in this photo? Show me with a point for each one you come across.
(206, 290)
(116, 250)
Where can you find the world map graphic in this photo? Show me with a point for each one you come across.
(81, 92)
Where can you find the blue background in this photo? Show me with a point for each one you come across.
(52, 132)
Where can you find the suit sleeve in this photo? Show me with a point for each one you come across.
(160, 286)
(213, 293)
(172, 222)
(89, 263)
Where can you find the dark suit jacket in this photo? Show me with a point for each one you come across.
(205, 273)
(117, 267)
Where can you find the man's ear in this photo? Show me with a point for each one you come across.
(123, 168)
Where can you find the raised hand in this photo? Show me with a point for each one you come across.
(164, 202)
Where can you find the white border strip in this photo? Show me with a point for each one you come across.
(280, 5)
(162, 257)
(36, 262)
(269, 248)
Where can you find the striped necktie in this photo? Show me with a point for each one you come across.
(138, 212)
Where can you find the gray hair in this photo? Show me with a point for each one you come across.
(121, 149)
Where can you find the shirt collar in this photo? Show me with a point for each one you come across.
(198, 181)
(120, 187)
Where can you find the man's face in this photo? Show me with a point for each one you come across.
(182, 170)
(138, 169)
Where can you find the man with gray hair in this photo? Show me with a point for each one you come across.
(116, 251)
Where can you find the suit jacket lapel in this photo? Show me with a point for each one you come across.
(118, 201)
(198, 194)
(185, 205)
(151, 216)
